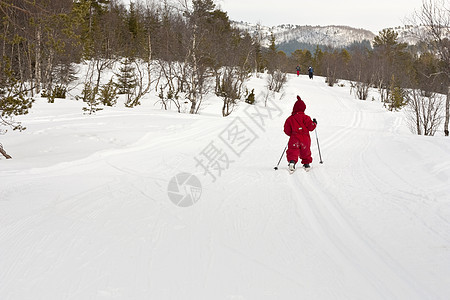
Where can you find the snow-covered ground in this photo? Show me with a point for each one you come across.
(149, 204)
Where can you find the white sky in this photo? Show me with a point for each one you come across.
(373, 15)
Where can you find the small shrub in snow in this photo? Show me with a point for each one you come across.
(250, 98)
(58, 91)
(88, 95)
(108, 94)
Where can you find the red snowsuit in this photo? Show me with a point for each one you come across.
(297, 126)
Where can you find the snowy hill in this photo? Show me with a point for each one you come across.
(291, 37)
(150, 204)
(335, 36)
(409, 34)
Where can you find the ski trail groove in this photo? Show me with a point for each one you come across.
(354, 249)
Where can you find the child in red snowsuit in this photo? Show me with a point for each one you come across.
(297, 126)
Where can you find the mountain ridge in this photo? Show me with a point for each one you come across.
(331, 35)
(288, 36)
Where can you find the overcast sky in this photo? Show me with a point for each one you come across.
(373, 15)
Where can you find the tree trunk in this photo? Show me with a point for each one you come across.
(4, 40)
(38, 61)
(30, 69)
(193, 104)
(194, 80)
(19, 60)
(48, 71)
(149, 62)
(447, 112)
(225, 107)
(2, 151)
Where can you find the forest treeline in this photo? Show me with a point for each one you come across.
(185, 49)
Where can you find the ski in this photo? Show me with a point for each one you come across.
(291, 167)
(293, 171)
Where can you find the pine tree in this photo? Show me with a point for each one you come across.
(397, 95)
(271, 57)
(13, 98)
(89, 13)
(126, 78)
(108, 94)
(317, 60)
(89, 95)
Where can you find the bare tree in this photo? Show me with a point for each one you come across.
(229, 90)
(194, 73)
(89, 93)
(433, 21)
(361, 74)
(276, 80)
(331, 65)
(142, 71)
(424, 112)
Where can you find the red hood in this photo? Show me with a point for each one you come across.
(299, 106)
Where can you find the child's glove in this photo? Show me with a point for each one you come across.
(315, 121)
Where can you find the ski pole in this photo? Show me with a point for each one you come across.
(276, 168)
(320, 156)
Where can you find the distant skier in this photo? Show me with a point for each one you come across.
(298, 70)
(297, 127)
(310, 72)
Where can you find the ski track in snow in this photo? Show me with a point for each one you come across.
(371, 222)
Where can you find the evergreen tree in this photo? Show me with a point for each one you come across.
(108, 94)
(126, 78)
(389, 55)
(13, 98)
(397, 95)
(89, 95)
(317, 60)
(386, 38)
(90, 13)
(272, 55)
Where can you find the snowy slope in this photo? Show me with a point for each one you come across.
(86, 213)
